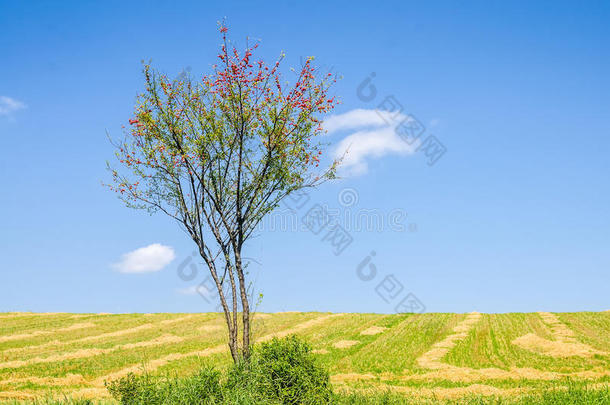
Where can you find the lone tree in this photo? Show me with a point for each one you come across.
(219, 154)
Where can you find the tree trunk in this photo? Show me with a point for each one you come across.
(245, 306)
(233, 329)
(233, 343)
(237, 353)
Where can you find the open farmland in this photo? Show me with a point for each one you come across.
(444, 356)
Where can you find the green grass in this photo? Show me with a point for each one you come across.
(489, 345)
(389, 357)
(574, 395)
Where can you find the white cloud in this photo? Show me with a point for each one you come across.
(435, 122)
(194, 289)
(9, 105)
(357, 118)
(375, 138)
(147, 259)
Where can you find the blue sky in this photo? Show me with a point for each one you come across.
(513, 217)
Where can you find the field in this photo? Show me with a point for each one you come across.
(440, 356)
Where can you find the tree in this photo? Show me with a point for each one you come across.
(219, 154)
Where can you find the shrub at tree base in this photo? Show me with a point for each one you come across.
(283, 371)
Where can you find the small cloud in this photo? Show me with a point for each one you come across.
(145, 260)
(192, 290)
(357, 118)
(9, 105)
(375, 138)
(357, 148)
(200, 289)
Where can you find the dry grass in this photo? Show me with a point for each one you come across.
(70, 379)
(46, 332)
(555, 348)
(454, 392)
(427, 355)
(211, 328)
(298, 328)
(85, 353)
(432, 358)
(373, 330)
(344, 344)
(20, 395)
(564, 345)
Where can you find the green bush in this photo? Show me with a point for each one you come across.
(201, 388)
(285, 371)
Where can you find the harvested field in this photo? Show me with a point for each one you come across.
(429, 355)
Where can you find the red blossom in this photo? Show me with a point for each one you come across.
(260, 88)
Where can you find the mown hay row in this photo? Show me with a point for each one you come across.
(36, 333)
(373, 330)
(564, 345)
(69, 379)
(432, 358)
(85, 353)
(441, 393)
(152, 365)
(102, 336)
